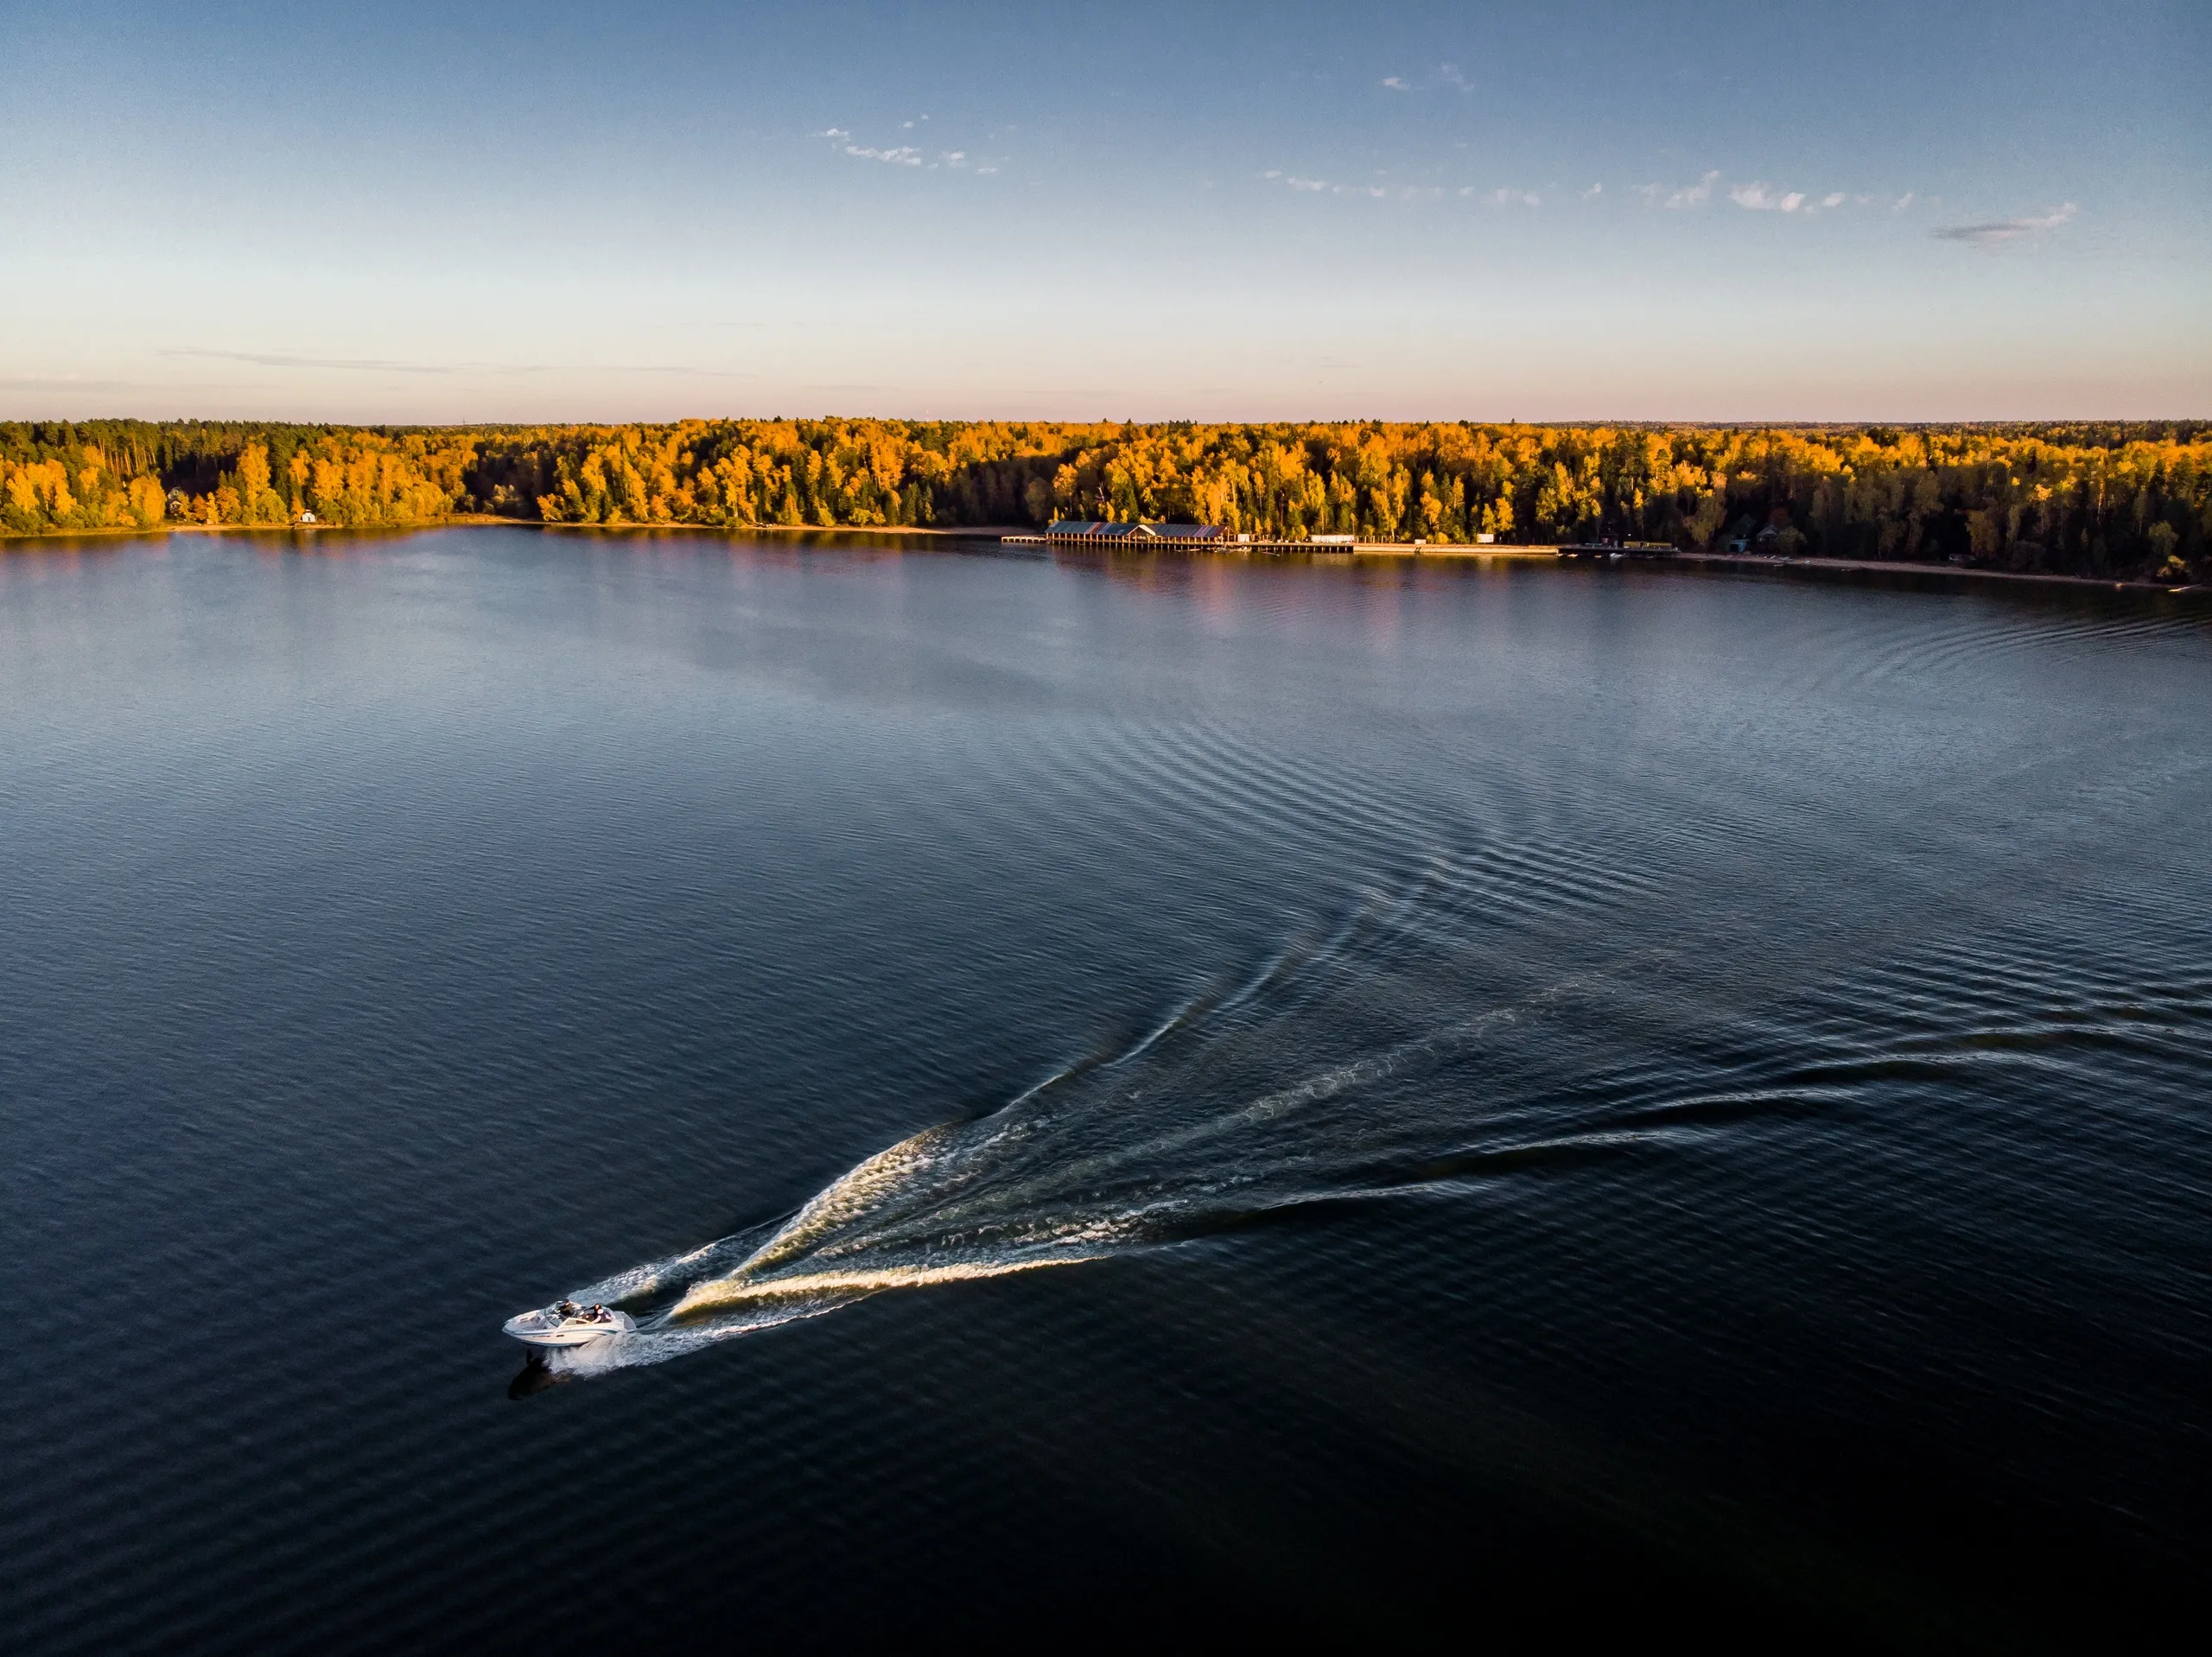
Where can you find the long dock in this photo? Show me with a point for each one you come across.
(1238, 544)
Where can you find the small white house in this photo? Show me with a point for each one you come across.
(307, 518)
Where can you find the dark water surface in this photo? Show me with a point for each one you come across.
(1580, 1098)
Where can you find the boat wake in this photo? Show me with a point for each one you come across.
(1473, 1023)
(1407, 1048)
(1472, 1017)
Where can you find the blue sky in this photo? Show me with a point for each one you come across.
(1704, 210)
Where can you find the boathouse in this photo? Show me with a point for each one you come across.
(1068, 529)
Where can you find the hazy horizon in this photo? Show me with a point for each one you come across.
(1699, 213)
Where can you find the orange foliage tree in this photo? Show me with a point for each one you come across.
(2111, 499)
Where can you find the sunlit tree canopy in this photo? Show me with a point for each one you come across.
(2093, 499)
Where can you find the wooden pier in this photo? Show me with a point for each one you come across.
(1218, 542)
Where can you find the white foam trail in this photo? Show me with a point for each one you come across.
(1180, 1133)
(1476, 1014)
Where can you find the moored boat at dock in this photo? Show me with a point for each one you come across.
(1618, 550)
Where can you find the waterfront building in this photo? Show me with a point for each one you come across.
(1068, 529)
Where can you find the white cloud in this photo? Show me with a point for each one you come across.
(2004, 230)
(1693, 195)
(1391, 192)
(1510, 198)
(1901, 202)
(385, 364)
(1755, 196)
(957, 161)
(1762, 198)
(1444, 75)
(1593, 192)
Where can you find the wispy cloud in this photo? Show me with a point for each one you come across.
(391, 365)
(1506, 198)
(1754, 195)
(905, 154)
(1690, 195)
(1999, 231)
(1762, 198)
(1593, 192)
(1444, 75)
(73, 382)
(289, 359)
(1373, 192)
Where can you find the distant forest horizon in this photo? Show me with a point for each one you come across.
(2123, 500)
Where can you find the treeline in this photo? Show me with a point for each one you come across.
(2115, 499)
(107, 474)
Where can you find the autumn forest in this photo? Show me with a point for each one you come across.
(2102, 499)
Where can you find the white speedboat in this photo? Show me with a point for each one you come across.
(566, 1323)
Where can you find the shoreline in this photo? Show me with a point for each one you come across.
(489, 520)
(1021, 533)
(1959, 572)
(1728, 561)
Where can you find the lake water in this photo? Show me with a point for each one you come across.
(1550, 1099)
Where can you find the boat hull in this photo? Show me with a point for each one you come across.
(548, 1328)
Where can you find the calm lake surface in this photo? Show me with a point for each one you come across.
(1579, 1097)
